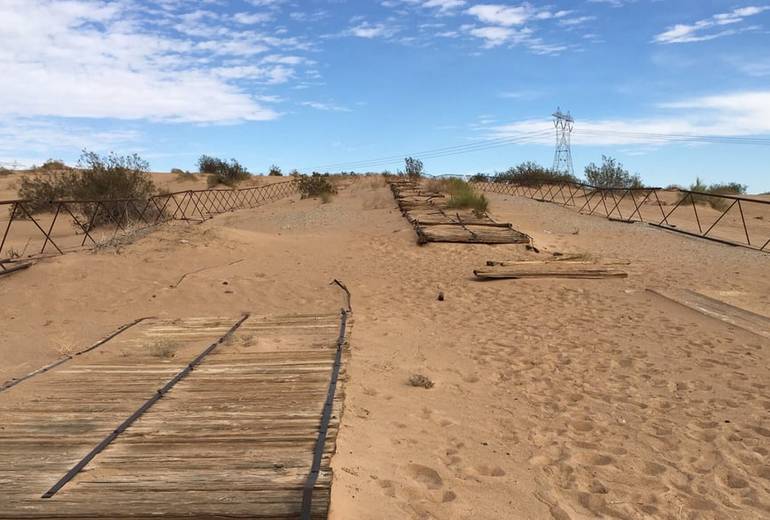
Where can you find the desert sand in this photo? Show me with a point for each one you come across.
(551, 398)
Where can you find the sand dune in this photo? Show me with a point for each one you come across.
(551, 398)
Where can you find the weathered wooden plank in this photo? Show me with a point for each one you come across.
(234, 439)
(548, 272)
(713, 308)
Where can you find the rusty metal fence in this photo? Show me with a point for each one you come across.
(69, 225)
(737, 221)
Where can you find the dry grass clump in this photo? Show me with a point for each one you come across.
(463, 196)
(162, 349)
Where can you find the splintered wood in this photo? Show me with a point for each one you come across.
(234, 439)
(434, 222)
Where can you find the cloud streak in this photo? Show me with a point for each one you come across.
(717, 26)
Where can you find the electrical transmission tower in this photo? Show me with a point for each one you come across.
(562, 157)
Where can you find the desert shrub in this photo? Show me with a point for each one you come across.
(111, 179)
(315, 185)
(5, 171)
(294, 173)
(52, 165)
(40, 191)
(529, 172)
(611, 174)
(325, 197)
(463, 196)
(479, 177)
(275, 171)
(183, 175)
(414, 168)
(704, 190)
(221, 171)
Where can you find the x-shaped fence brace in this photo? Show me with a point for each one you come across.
(132, 215)
(606, 202)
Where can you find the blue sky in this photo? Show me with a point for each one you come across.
(305, 84)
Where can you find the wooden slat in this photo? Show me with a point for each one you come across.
(548, 271)
(233, 439)
(724, 312)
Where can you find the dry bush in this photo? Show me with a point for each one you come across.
(705, 191)
(221, 171)
(111, 179)
(315, 185)
(413, 168)
(183, 175)
(611, 174)
(326, 197)
(52, 165)
(527, 173)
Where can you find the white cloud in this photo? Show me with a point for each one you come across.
(730, 114)
(711, 28)
(507, 16)
(370, 31)
(507, 25)
(327, 107)
(100, 59)
(252, 18)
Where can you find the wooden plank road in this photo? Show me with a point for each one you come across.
(433, 221)
(235, 438)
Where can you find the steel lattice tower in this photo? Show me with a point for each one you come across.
(562, 157)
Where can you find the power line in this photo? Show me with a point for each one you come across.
(438, 152)
(537, 136)
(673, 138)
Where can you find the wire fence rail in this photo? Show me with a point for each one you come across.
(737, 221)
(65, 226)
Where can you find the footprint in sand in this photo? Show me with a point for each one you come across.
(388, 487)
(426, 476)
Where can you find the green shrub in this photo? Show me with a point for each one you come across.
(530, 172)
(611, 174)
(275, 171)
(463, 196)
(315, 185)
(97, 178)
(414, 168)
(704, 190)
(221, 171)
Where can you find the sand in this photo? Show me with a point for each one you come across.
(551, 398)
